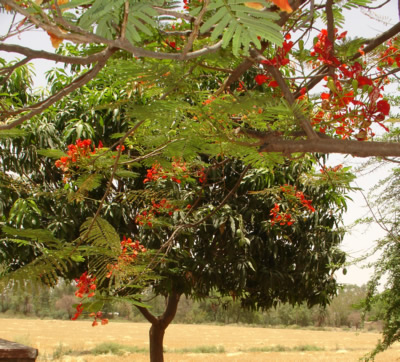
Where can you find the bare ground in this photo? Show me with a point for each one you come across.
(48, 335)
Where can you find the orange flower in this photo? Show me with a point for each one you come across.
(282, 4)
(55, 40)
(60, 2)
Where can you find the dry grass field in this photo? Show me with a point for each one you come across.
(67, 341)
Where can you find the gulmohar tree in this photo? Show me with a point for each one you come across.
(240, 230)
(213, 84)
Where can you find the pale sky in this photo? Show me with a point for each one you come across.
(357, 242)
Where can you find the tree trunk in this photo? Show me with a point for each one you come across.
(159, 325)
(156, 336)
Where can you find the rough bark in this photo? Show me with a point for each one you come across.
(159, 325)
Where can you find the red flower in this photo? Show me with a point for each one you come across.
(383, 106)
(261, 78)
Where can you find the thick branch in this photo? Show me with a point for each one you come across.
(170, 311)
(380, 39)
(41, 54)
(305, 124)
(79, 35)
(145, 312)
(354, 148)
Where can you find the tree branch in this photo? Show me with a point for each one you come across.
(380, 39)
(331, 32)
(77, 83)
(305, 124)
(41, 54)
(372, 44)
(354, 148)
(195, 31)
(146, 313)
(175, 14)
(172, 305)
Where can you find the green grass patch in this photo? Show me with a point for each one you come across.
(308, 347)
(111, 348)
(116, 349)
(280, 348)
(199, 349)
(62, 351)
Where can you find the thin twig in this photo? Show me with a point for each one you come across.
(331, 32)
(196, 27)
(125, 20)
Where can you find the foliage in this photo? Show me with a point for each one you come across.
(178, 150)
(386, 266)
(171, 47)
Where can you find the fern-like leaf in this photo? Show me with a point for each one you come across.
(233, 21)
(103, 15)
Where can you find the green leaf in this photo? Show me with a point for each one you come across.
(75, 3)
(218, 30)
(12, 133)
(229, 34)
(56, 154)
(237, 41)
(95, 306)
(89, 182)
(127, 174)
(78, 258)
(40, 235)
(221, 13)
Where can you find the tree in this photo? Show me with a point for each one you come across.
(251, 37)
(383, 203)
(236, 249)
(210, 108)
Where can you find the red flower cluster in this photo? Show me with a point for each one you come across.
(280, 58)
(154, 173)
(129, 252)
(323, 48)
(346, 111)
(280, 217)
(262, 78)
(325, 169)
(343, 112)
(79, 310)
(292, 191)
(76, 152)
(86, 285)
(201, 175)
(306, 203)
(147, 216)
(178, 173)
(391, 55)
(293, 197)
(96, 316)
